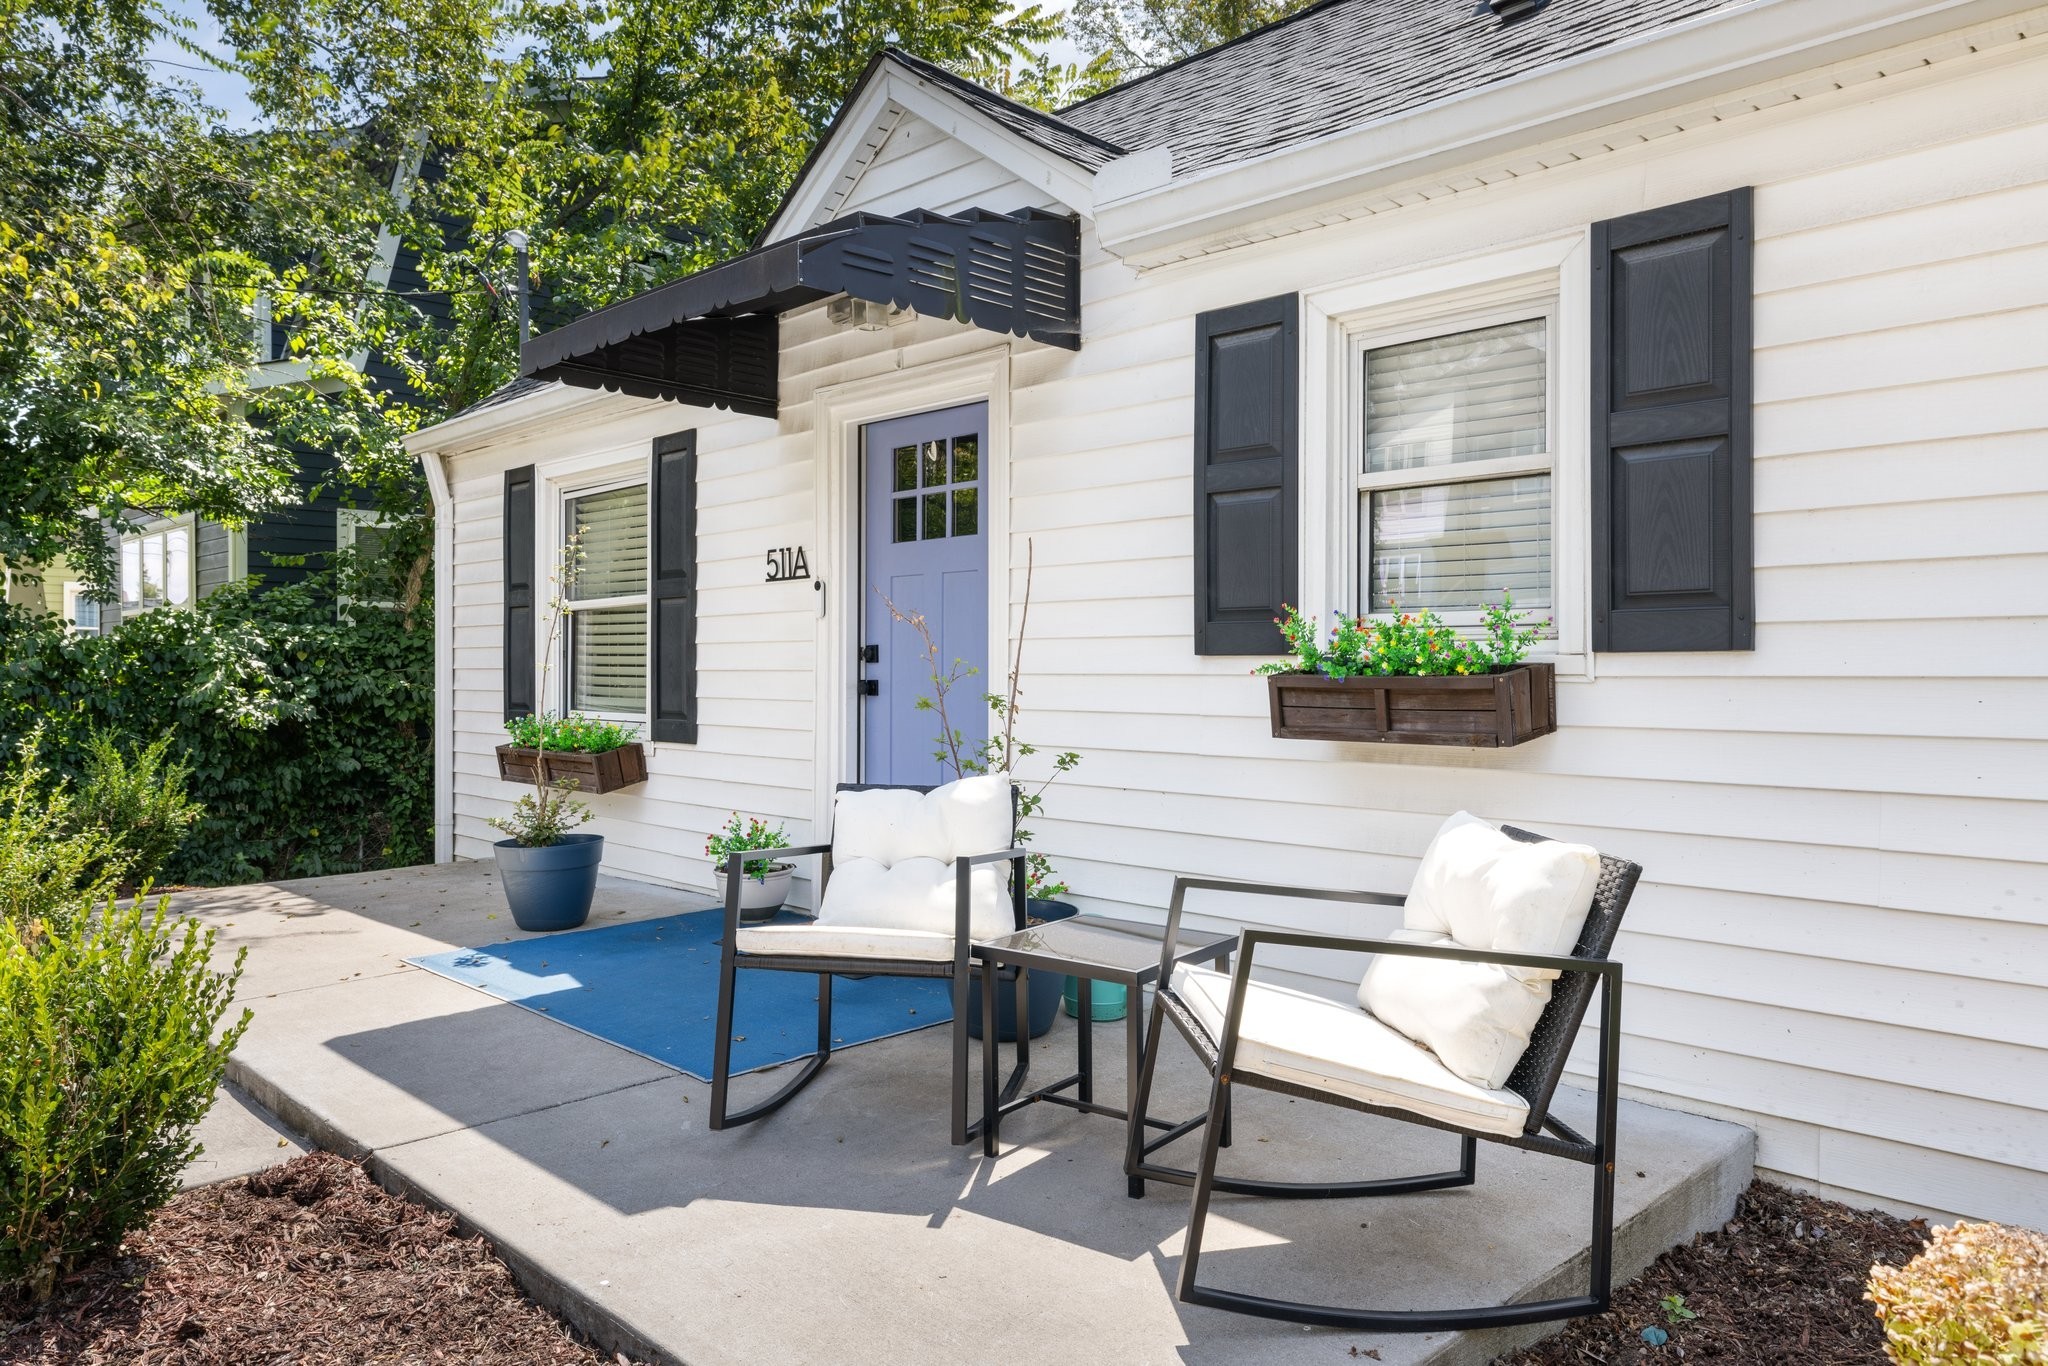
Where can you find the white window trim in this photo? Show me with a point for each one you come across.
(347, 522)
(1551, 278)
(139, 532)
(566, 488)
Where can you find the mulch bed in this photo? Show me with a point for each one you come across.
(308, 1263)
(1781, 1282)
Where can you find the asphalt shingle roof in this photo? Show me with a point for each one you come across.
(1346, 62)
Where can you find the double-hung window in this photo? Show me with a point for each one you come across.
(1454, 479)
(156, 567)
(605, 625)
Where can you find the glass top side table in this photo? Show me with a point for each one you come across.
(1087, 948)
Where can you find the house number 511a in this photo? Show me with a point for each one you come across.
(787, 562)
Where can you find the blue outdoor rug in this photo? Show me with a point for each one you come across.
(651, 987)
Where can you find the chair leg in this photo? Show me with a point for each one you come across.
(1205, 1186)
(721, 1055)
(991, 1108)
(959, 1105)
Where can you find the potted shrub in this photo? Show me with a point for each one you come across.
(766, 883)
(998, 754)
(549, 873)
(602, 756)
(1412, 680)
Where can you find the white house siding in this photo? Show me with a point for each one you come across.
(1842, 936)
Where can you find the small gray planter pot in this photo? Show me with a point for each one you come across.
(550, 888)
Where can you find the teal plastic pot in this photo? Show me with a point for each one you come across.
(550, 888)
(1105, 1000)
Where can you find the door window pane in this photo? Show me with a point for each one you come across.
(612, 541)
(178, 564)
(906, 519)
(934, 516)
(905, 458)
(934, 464)
(1478, 395)
(1454, 546)
(966, 515)
(608, 659)
(966, 458)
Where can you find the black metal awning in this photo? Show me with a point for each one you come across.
(711, 338)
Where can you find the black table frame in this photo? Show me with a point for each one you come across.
(999, 953)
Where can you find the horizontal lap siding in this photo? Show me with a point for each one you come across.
(1842, 933)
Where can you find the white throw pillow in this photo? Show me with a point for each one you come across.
(1479, 889)
(893, 852)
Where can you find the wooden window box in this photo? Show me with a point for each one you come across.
(606, 772)
(1489, 711)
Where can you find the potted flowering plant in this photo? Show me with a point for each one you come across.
(1412, 679)
(549, 873)
(765, 883)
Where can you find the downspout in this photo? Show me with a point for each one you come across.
(444, 658)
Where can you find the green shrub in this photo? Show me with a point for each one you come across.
(1979, 1293)
(108, 1058)
(574, 732)
(137, 802)
(50, 870)
(306, 731)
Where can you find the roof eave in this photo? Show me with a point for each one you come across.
(1143, 214)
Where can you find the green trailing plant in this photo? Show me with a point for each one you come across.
(304, 733)
(1415, 643)
(543, 816)
(571, 734)
(111, 1047)
(1003, 749)
(1978, 1293)
(137, 801)
(738, 836)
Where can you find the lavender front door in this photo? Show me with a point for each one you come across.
(924, 547)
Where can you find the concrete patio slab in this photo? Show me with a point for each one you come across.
(845, 1228)
(238, 1137)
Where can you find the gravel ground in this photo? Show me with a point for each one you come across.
(309, 1263)
(1781, 1282)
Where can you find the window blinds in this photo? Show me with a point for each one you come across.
(608, 644)
(1457, 546)
(1478, 395)
(611, 528)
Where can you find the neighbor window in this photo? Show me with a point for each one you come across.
(1454, 485)
(605, 650)
(156, 567)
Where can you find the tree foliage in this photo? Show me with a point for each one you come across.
(1136, 37)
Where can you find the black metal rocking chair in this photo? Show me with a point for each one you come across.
(1535, 1078)
(959, 969)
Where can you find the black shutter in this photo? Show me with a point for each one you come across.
(1672, 566)
(673, 618)
(519, 700)
(1247, 474)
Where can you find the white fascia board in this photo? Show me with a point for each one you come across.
(1069, 183)
(1713, 54)
(465, 430)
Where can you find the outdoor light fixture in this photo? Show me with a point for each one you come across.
(865, 314)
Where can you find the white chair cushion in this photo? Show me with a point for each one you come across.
(1311, 1041)
(829, 941)
(893, 852)
(1479, 889)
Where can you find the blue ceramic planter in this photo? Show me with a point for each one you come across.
(550, 888)
(1043, 990)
